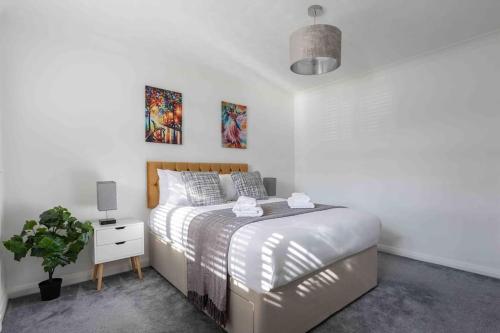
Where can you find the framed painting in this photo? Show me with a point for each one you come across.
(163, 116)
(234, 125)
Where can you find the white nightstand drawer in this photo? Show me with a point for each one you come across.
(119, 233)
(118, 250)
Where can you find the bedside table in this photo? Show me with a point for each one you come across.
(124, 239)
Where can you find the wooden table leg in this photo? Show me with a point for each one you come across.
(100, 269)
(94, 273)
(137, 262)
(132, 261)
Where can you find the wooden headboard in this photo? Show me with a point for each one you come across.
(152, 176)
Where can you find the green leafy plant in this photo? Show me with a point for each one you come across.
(58, 238)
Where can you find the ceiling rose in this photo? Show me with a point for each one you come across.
(315, 49)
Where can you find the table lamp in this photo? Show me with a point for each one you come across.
(270, 185)
(106, 200)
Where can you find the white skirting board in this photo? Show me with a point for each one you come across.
(457, 264)
(69, 279)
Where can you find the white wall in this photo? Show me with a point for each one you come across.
(76, 115)
(3, 295)
(418, 145)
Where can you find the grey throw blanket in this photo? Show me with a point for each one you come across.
(209, 237)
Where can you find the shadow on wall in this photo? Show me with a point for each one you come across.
(390, 237)
(347, 117)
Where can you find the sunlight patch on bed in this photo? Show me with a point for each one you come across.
(273, 298)
(267, 273)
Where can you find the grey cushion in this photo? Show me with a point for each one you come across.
(249, 184)
(203, 188)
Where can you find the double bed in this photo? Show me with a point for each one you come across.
(285, 274)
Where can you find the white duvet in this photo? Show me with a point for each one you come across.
(269, 254)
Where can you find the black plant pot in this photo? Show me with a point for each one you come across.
(50, 290)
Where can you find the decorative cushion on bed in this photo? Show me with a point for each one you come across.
(203, 188)
(228, 188)
(172, 188)
(249, 184)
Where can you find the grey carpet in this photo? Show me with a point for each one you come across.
(412, 296)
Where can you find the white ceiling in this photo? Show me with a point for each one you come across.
(254, 33)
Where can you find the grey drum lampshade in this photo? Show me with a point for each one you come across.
(106, 195)
(315, 49)
(270, 185)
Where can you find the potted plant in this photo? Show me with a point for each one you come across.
(58, 238)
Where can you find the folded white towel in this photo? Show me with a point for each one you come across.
(257, 211)
(247, 206)
(299, 204)
(300, 200)
(245, 209)
(298, 196)
(244, 201)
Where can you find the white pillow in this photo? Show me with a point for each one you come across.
(172, 188)
(228, 187)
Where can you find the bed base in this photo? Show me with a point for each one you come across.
(295, 307)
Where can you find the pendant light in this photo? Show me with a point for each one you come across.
(315, 49)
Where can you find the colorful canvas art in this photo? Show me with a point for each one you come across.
(163, 116)
(234, 125)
